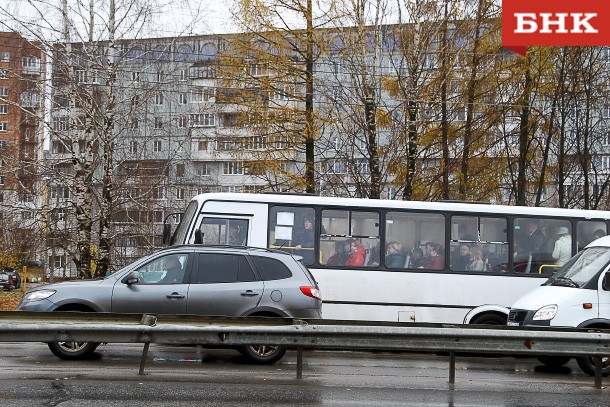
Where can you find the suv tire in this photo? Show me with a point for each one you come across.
(263, 354)
(73, 350)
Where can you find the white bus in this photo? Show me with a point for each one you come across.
(506, 250)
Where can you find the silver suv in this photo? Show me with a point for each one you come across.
(194, 279)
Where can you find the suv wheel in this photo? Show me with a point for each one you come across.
(553, 361)
(263, 354)
(73, 350)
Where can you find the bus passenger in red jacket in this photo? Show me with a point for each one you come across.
(357, 254)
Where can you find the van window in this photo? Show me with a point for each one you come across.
(224, 231)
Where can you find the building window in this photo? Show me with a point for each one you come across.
(606, 111)
(135, 101)
(157, 146)
(233, 168)
(182, 121)
(81, 76)
(182, 75)
(159, 99)
(2, 182)
(5, 57)
(158, 123)
(3, 109)
(160, 76)
(335, 167)
(30, 63)
(180, 193)
(133, 147)
(61, 123)
(3, 73)
(180, 170)
(3, 126)
(2, 144)
(159, 193)
(183, 100)
(203, 120)
(203, 94)
(29, 99)
(3, 91)
(202, 169)
(134, 124)
(201, 145)
(135, 76)
(60, 193)
(258, 69)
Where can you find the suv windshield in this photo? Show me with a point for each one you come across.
(581, 268)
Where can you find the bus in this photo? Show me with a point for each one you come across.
(457, 262)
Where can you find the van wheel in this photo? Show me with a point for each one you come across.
(73, 350)
(489, 319)
(263, 354)
(587, 365)
(553, 361)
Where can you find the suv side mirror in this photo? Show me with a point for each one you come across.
(132, 278)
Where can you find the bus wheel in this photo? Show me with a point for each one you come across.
(553, 361)
(263, 354)
(587, 364)
(489, 319)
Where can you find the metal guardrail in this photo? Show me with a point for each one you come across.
(309, 334)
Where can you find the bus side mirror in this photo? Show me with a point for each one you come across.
(198, 237)
(167, 231)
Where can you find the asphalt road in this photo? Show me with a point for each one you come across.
(182, 376)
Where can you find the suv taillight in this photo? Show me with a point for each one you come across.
(312, 292)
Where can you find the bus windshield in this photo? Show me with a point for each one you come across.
(180, 234)
(584, 267)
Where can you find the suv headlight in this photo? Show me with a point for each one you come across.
(545, 313)
(37, 295)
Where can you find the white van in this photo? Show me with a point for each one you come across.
(577, 296)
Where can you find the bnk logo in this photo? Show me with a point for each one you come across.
(554, 23)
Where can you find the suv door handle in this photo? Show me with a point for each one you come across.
(249, 293)
(175, 295)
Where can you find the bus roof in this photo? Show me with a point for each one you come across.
(465, 207)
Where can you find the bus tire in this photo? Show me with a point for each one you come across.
(587, 365)
(73, 350)
(553, 361)
(263, 354)
(489, 319)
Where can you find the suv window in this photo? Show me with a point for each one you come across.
(222, 268)
(271, 269)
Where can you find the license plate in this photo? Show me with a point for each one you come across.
(512, 323)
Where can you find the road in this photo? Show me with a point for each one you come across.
(182, 376)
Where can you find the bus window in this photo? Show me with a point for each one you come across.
(340, 228)
(224, 231)
(589, 230)
(293, 229)
(478, 244)
(534, 243)
(413, 231)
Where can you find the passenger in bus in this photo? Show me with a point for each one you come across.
(339, 257)
(598, 233)
(235, 237)
(357, 254)
(434, 259)
(477, 263)
(304, 241)
(395, 257)
(534, 245)
(461, 259)
(417, 258)
(375, 256)
(562, 252)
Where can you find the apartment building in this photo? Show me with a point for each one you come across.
(22, 70)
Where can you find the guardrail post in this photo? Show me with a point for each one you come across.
(598, 372)
(452, 367)
(299, 362)
(143, 360)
